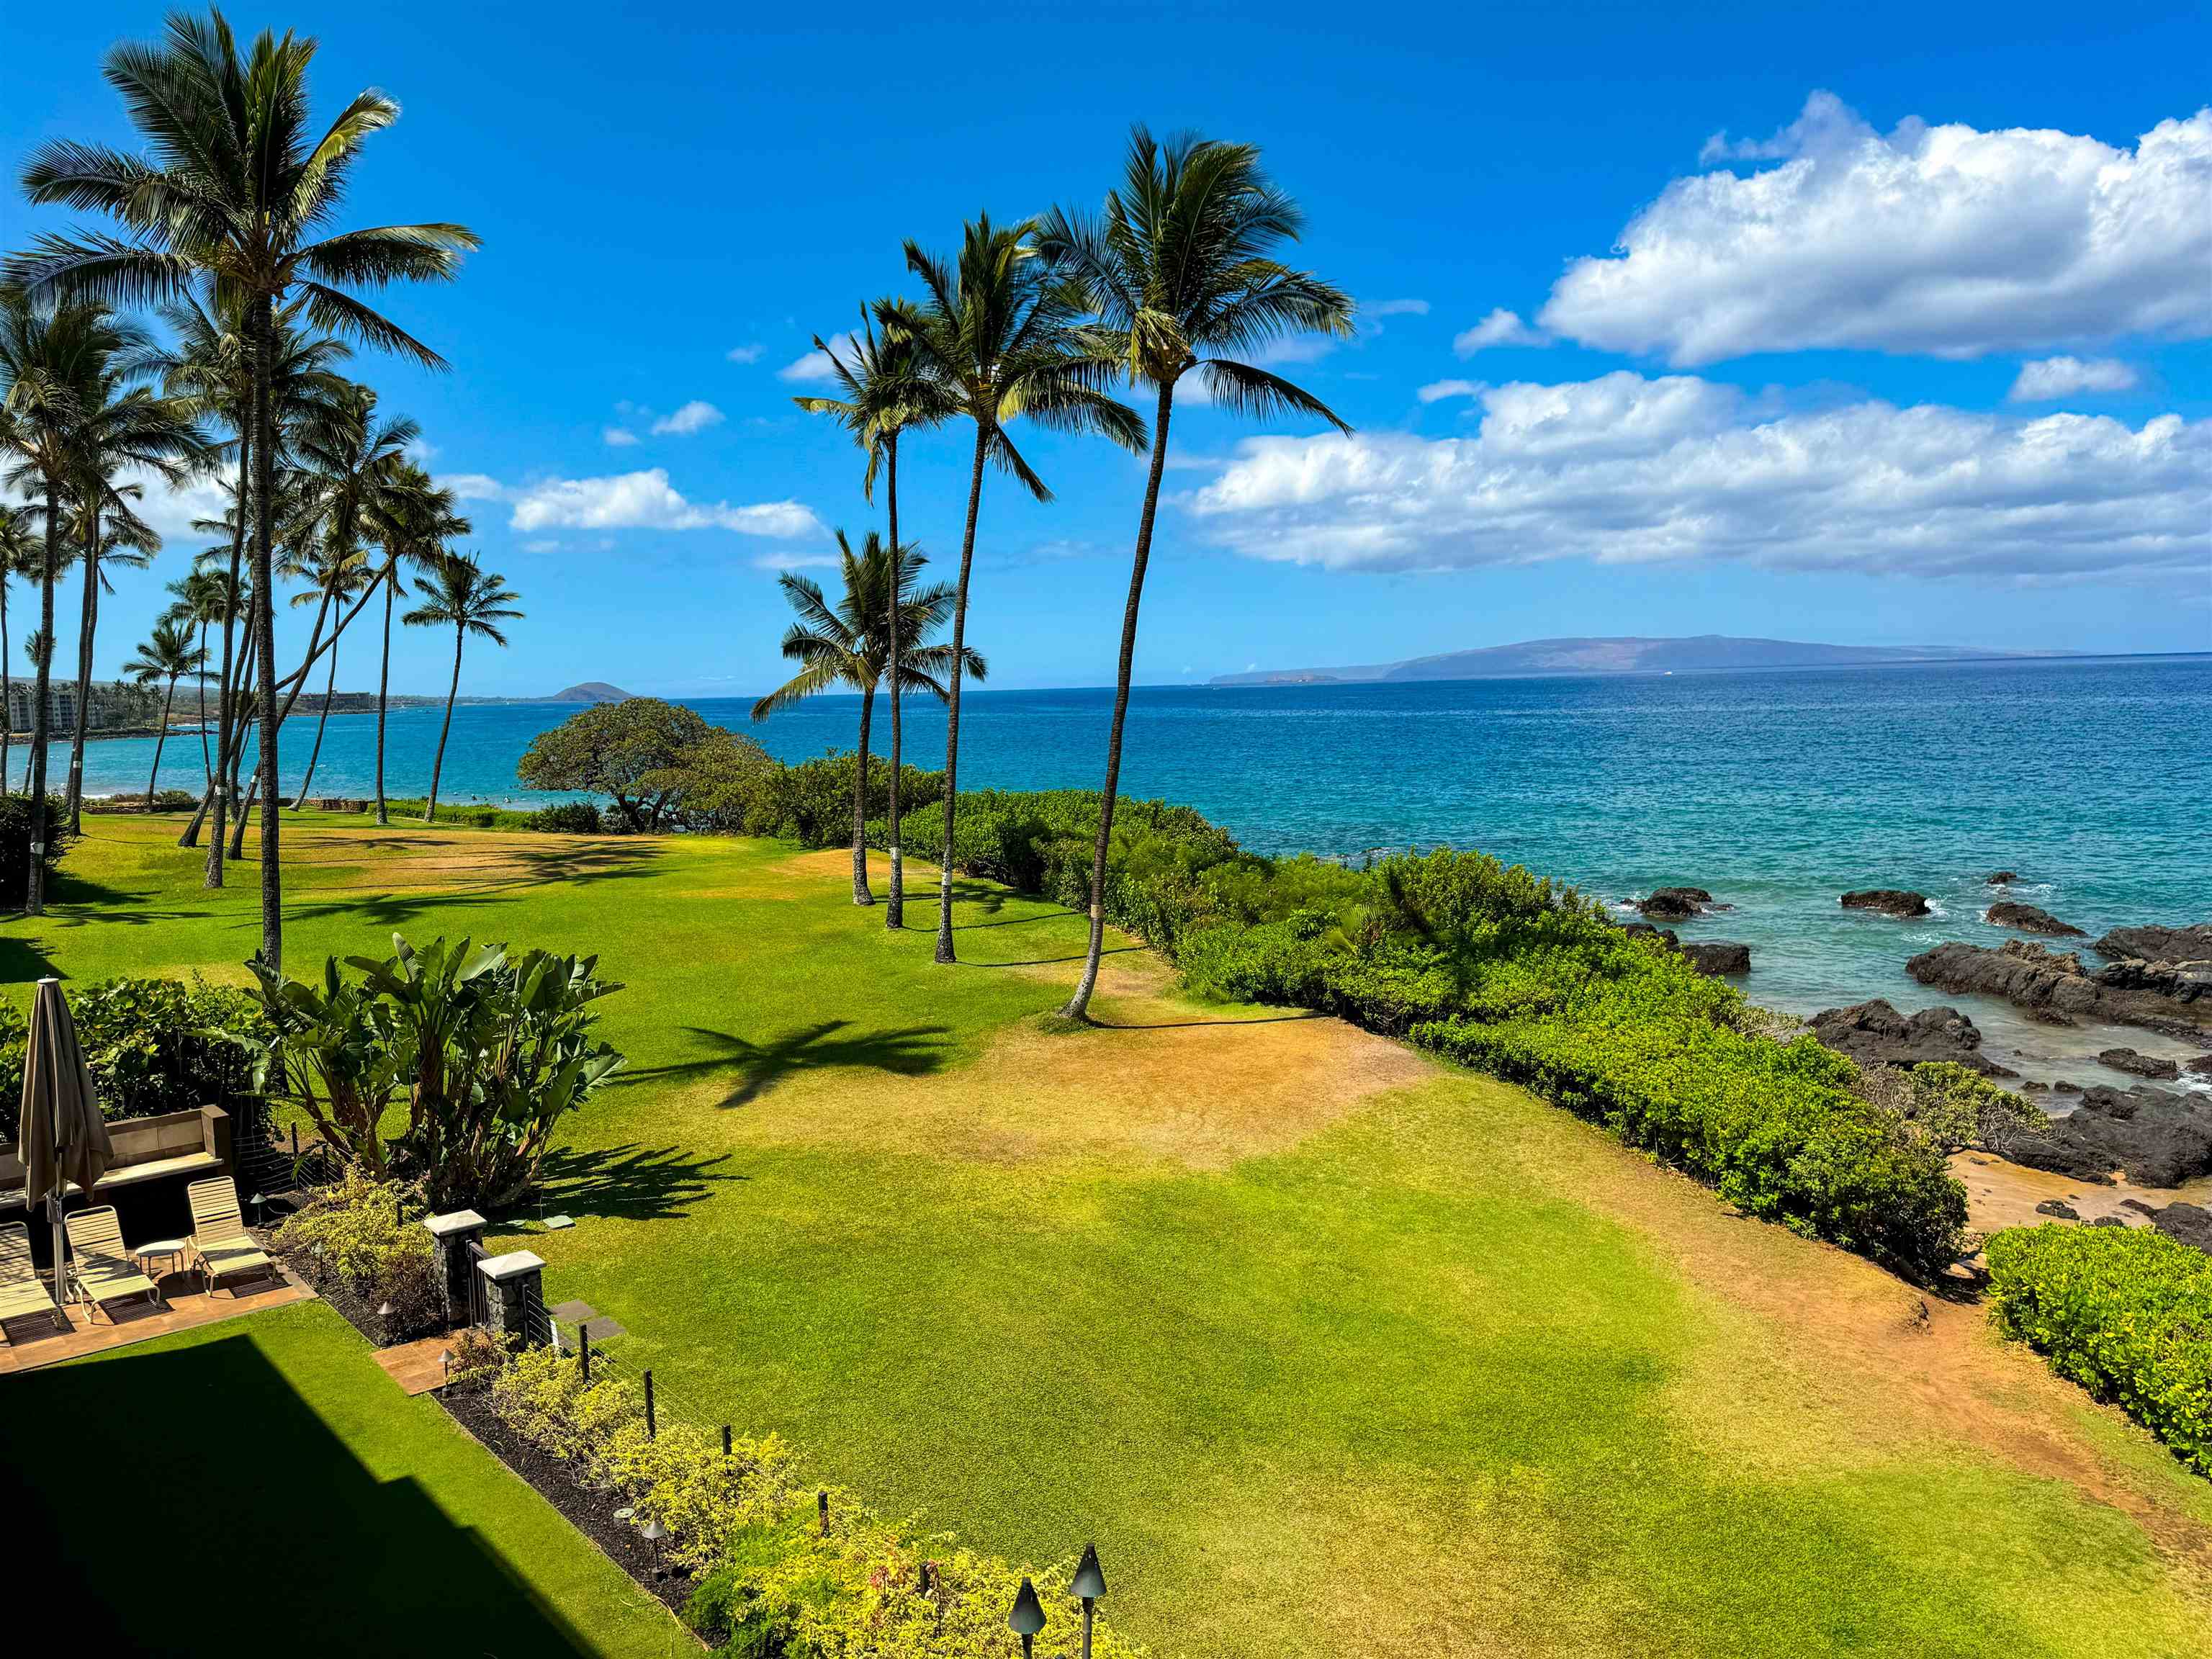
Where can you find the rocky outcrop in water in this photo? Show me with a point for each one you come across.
(2137, 1065)
(2029, 919)
(1889, 900)
(1875, 1033)
(2155, 1137)
(2048, 984)
(1715, 957)
(2155, 943)
(2190, 1223)
(2001, 877)
(1674, 903)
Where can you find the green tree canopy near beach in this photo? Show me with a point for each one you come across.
(630, 751)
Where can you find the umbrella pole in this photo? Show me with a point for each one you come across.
(54, 1213)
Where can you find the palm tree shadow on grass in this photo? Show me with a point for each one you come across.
(637, 1183)
(907, 1051)
(577, 865)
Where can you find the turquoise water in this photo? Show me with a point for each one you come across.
(1776, 790)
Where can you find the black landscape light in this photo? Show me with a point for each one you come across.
(653, 1533)
(1090, 1584)
(1028, 1617)
(384, 1321)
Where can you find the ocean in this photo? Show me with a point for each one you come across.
(1776, 790)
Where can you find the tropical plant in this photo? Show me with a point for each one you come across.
(235, 188)
(200, 599)
(333, 577)
(462, 595)
(20, 553)
(999, 339)
(152, 1046)
(886, 394)
(412, 521)
(485, 1050)
(621, 749)
(166, 656)
(1178, 269)
(848, 644)
(367, 1236)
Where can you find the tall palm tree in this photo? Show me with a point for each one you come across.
(887, 393)
(1178, 269)
(19, 556)
(850, 644)
(235, 188)
(462, 595)
(333, 578)
(411, 521)
(168, 654)
(199, 600)
(998, 338)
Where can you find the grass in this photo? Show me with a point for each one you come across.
(260, 1486)
(1331, 1348)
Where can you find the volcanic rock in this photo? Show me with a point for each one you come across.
(1874, 1033)
(1718, 957)
(2045, 981)
(2127, 1060)
(2029, 919)
(2154, 944)
(2001, 877)
(2190, 1223)
(1674, 903)
(2059, 1208)
(2155, 1137)
(1889, 900)
(2200, 1067)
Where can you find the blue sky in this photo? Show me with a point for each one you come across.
(1776, 397)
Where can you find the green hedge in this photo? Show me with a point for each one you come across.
(152, 1046)
(15, 817)
(2124, 1311)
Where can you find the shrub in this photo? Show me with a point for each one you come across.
(1956, 1108)
(364, 1234)
(568, 818)
(16, 816)
(2124, 1311)
(622, 749)
(152, 1046)
(475, 1355)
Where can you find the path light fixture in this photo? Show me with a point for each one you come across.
(655, 1535)
(259, 1202)
(1090, 1584)
(384, 1321)
(1028, 1617)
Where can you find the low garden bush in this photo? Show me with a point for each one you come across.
(366, 1236)
(2124, 1311)
(568, 818)
(15, 826)
(152, 1046)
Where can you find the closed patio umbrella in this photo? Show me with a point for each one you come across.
(61, 1138)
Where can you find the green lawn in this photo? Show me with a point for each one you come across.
(260, 1487)
(1333, 1349)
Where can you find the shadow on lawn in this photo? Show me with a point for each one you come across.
(578, 866)
(637, 1183)
(367, 1566)
(908, 1051)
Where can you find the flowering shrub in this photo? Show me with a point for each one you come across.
(363, 1234)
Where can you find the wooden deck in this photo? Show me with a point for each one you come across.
(417, 1367)
(39, 1341)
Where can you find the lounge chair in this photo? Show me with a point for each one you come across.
(221, 1244)
(23, 1292)
(100, 1268)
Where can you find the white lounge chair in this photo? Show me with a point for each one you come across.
(100, 1268)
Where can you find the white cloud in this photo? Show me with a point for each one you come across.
(745, 353)
(1289, 348)
(1623, 468)
(1501, 328)
(171, 509)
(618, 437)
(694, 417)
(2063, 377)
(1946, 241)
(474, 487)
(646, 501)
(1394, 308)
(815, 365)
(1436, 391)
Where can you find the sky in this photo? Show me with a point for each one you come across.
(1877, 324)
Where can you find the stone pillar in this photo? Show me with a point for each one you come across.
(454, 1234)
(514, 1297)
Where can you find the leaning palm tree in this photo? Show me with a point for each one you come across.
(466, 598)
(998, 338)
(167, 655)
(887, 393)
(411, 521)
(849, 644)
(19, 556)
(199, 600)
(333, 578)
(1179, 269)
(235, 188)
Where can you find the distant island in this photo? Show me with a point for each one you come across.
(590, 692)
(1616, 656)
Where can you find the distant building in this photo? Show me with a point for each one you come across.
(116, 707)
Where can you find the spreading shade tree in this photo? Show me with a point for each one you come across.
(459, 594)
(999, 335)
(848, 644)
(886, 392)
(1178, 270)
(166, 655)
(235, 185)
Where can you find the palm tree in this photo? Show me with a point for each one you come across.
(462, 595)
(887, 393)
(411, 521)
(334, 577)
(999, 339)
(1178, 269)
(236, 189)
(19, 556)
(849, 644)
(200, 598)
(168, 654)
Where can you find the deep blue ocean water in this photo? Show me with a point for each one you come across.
(1776, 790)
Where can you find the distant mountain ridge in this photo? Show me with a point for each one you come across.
(590, 692)
(1623, 655)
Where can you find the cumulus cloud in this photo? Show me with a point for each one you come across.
(1945, 241)
(1437, 390)
(617, 437)
(694, 417)
(1625, 468)
(635, 501)
(815, 365)
(1501, 328)
(1394, 308)
(2063, 377)
(745, 353)
(170, 510)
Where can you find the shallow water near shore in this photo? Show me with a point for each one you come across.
(1776, 790)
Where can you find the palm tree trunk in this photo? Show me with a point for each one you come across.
(895, 909)
(315, 754)
(34, 888)
(1079, 1005)
(438, 766)
(7, 687)
(199, 676)
(245, 819)
(224, 688)
(384, 683)
(264, 470)
(87, 621)
(160, 742)
(860, 893)
(952, 701)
